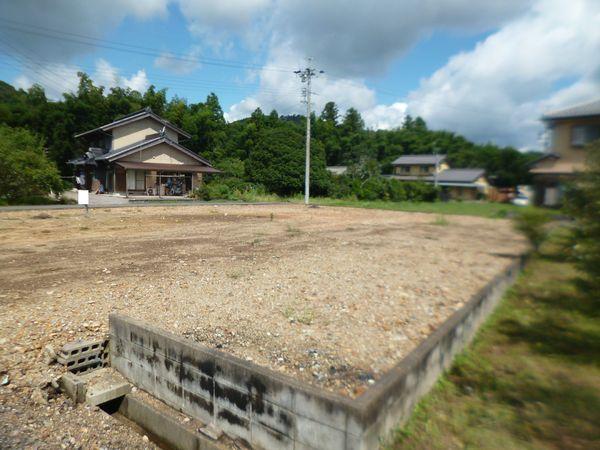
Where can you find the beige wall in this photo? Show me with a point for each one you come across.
(415, 170)
(160, 154)
(561, 140)
(137, 131)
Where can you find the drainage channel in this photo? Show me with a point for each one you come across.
(112, 408)
(164, 431)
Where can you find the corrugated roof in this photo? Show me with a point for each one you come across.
(584, 110)
(418, 159)
(460, 175)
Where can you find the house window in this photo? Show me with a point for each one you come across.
(424, 169)
(405, 169)
(583, 134)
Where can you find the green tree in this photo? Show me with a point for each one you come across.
(583, 202)
(330, 113)
(25, 171)
(277, 162)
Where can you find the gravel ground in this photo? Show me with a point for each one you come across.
(333, 296)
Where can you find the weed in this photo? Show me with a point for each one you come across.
(440, 221)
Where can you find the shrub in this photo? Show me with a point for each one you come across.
(25, 171)
(380, 188)
(583, 203)
(532, 224)
(232, 189)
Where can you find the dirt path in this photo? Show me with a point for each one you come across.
(333, 296)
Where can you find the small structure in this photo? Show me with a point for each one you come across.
(570, 130)
(459, 184)
(139, 154)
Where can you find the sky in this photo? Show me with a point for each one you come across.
(487, 70)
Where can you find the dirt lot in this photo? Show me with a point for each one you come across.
(333, 296)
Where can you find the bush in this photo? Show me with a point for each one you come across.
(25, 171)
(583, 203)
(532, 224)
(380, 188)
(232, 189)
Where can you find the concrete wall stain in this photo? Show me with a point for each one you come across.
(233, 419)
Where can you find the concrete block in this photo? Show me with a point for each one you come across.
(276, 418)
(97, 395)
(318, 435)
(198, 406)
(197, 382)
(169, 392)
(73, 386)
(232, 423)
(266, 437)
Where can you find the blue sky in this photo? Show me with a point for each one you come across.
(487, 70)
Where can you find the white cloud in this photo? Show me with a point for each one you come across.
(498, 90)
(385, 117)
(32, 22)
(138, 82)
(281, 90)
(358, 37)
(108, 76)
(56, 79)
(216, 22)
(180, 65)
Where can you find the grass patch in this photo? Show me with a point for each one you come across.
(474, 208)
(531, 378)
(440, 221)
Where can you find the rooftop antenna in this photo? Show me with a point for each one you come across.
(306, 76)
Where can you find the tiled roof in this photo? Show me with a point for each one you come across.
(418, 159)
(585, 110)
(142, 114)
(460, 175)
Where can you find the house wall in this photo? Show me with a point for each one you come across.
(415, 170)
(160, 154)
(572, 159)
(137, 131)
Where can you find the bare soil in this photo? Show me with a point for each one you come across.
(332, 296)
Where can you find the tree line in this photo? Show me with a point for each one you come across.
(266, 149)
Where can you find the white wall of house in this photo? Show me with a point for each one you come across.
(137, 131)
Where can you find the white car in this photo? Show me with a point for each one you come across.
(520, 200)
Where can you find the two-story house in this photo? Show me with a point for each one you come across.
(570, 130)
(459, 184)
(415, 167)
(139, 154)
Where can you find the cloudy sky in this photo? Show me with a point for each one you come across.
(485, 69)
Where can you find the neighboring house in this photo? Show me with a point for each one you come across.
(415, 167)
(139, 154)
(463, 184)
(570, 130)
(337, 170)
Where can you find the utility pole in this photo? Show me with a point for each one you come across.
(306, 76)
(437, 166)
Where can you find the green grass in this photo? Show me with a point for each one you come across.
(531, 378)
(482, 209)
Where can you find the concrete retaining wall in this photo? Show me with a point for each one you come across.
(270, 410)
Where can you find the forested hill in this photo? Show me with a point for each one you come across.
(241, 148)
